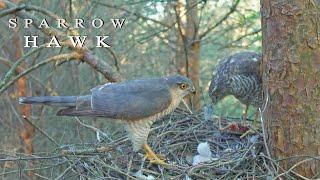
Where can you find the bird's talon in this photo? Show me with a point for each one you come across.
(158, 161)
(154, 158)
(158, 156)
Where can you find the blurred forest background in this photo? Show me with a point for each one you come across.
(148, 45)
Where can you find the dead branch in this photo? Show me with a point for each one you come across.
(100, 66)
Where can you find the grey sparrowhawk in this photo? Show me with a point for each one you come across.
(137, 104)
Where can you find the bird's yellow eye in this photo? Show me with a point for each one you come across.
(183, 86)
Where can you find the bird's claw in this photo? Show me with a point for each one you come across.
(157, 161)
(158, 156)
(154, 158)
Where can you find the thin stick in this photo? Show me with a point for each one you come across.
(96, 130)
(68, 56)
(41, 131)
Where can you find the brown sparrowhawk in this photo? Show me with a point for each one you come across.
(137, 104)
(238, 75)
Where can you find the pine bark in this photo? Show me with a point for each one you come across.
(291, 80)
(27, 131)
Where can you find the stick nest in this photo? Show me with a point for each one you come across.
(175, 137)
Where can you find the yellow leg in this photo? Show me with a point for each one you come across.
(255, 120)
(152, 157)
(254, 125)
(244, 118)
(244, 114)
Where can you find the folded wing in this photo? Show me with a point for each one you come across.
(128, 100)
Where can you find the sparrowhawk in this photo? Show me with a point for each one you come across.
(238, 75)
(137, 104)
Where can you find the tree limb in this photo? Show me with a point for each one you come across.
(232, 9)
(88, 57)
(68, 56)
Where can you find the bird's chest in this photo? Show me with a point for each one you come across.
(248, 90)
(138, 130)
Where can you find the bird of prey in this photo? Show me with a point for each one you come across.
(136, 104)
(238, 75)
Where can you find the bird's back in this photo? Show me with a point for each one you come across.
(240, 63)
(132, 100)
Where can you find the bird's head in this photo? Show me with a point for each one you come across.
(181, 84)
(220, 87)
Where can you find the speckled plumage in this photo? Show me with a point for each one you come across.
(238, 75)
(136, 104)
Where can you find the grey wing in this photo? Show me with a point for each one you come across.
(131, 101)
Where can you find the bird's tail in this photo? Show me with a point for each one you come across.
(65, 101)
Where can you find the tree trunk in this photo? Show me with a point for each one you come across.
(291, 80)
(27, 131)
(188, 44)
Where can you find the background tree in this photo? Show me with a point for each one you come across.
(291, 62)
(149, 45)
(188, 44)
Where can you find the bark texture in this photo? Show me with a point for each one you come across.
(188, 44)
(291, 80)
(26, 130)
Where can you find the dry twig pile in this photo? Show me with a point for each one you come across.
(176, 137)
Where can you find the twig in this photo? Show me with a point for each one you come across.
(68, 56)
(101, 67)
(131, 12)
(30, 169)
(294, 166)
(36, 22)
(41, 131)
(102, 149)
(264, 133)
(32, 158)
(11, 11)
(64, 172)
(232, 9)
(241, 37)
(96, 130)
(13, 68)
(88, 57)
